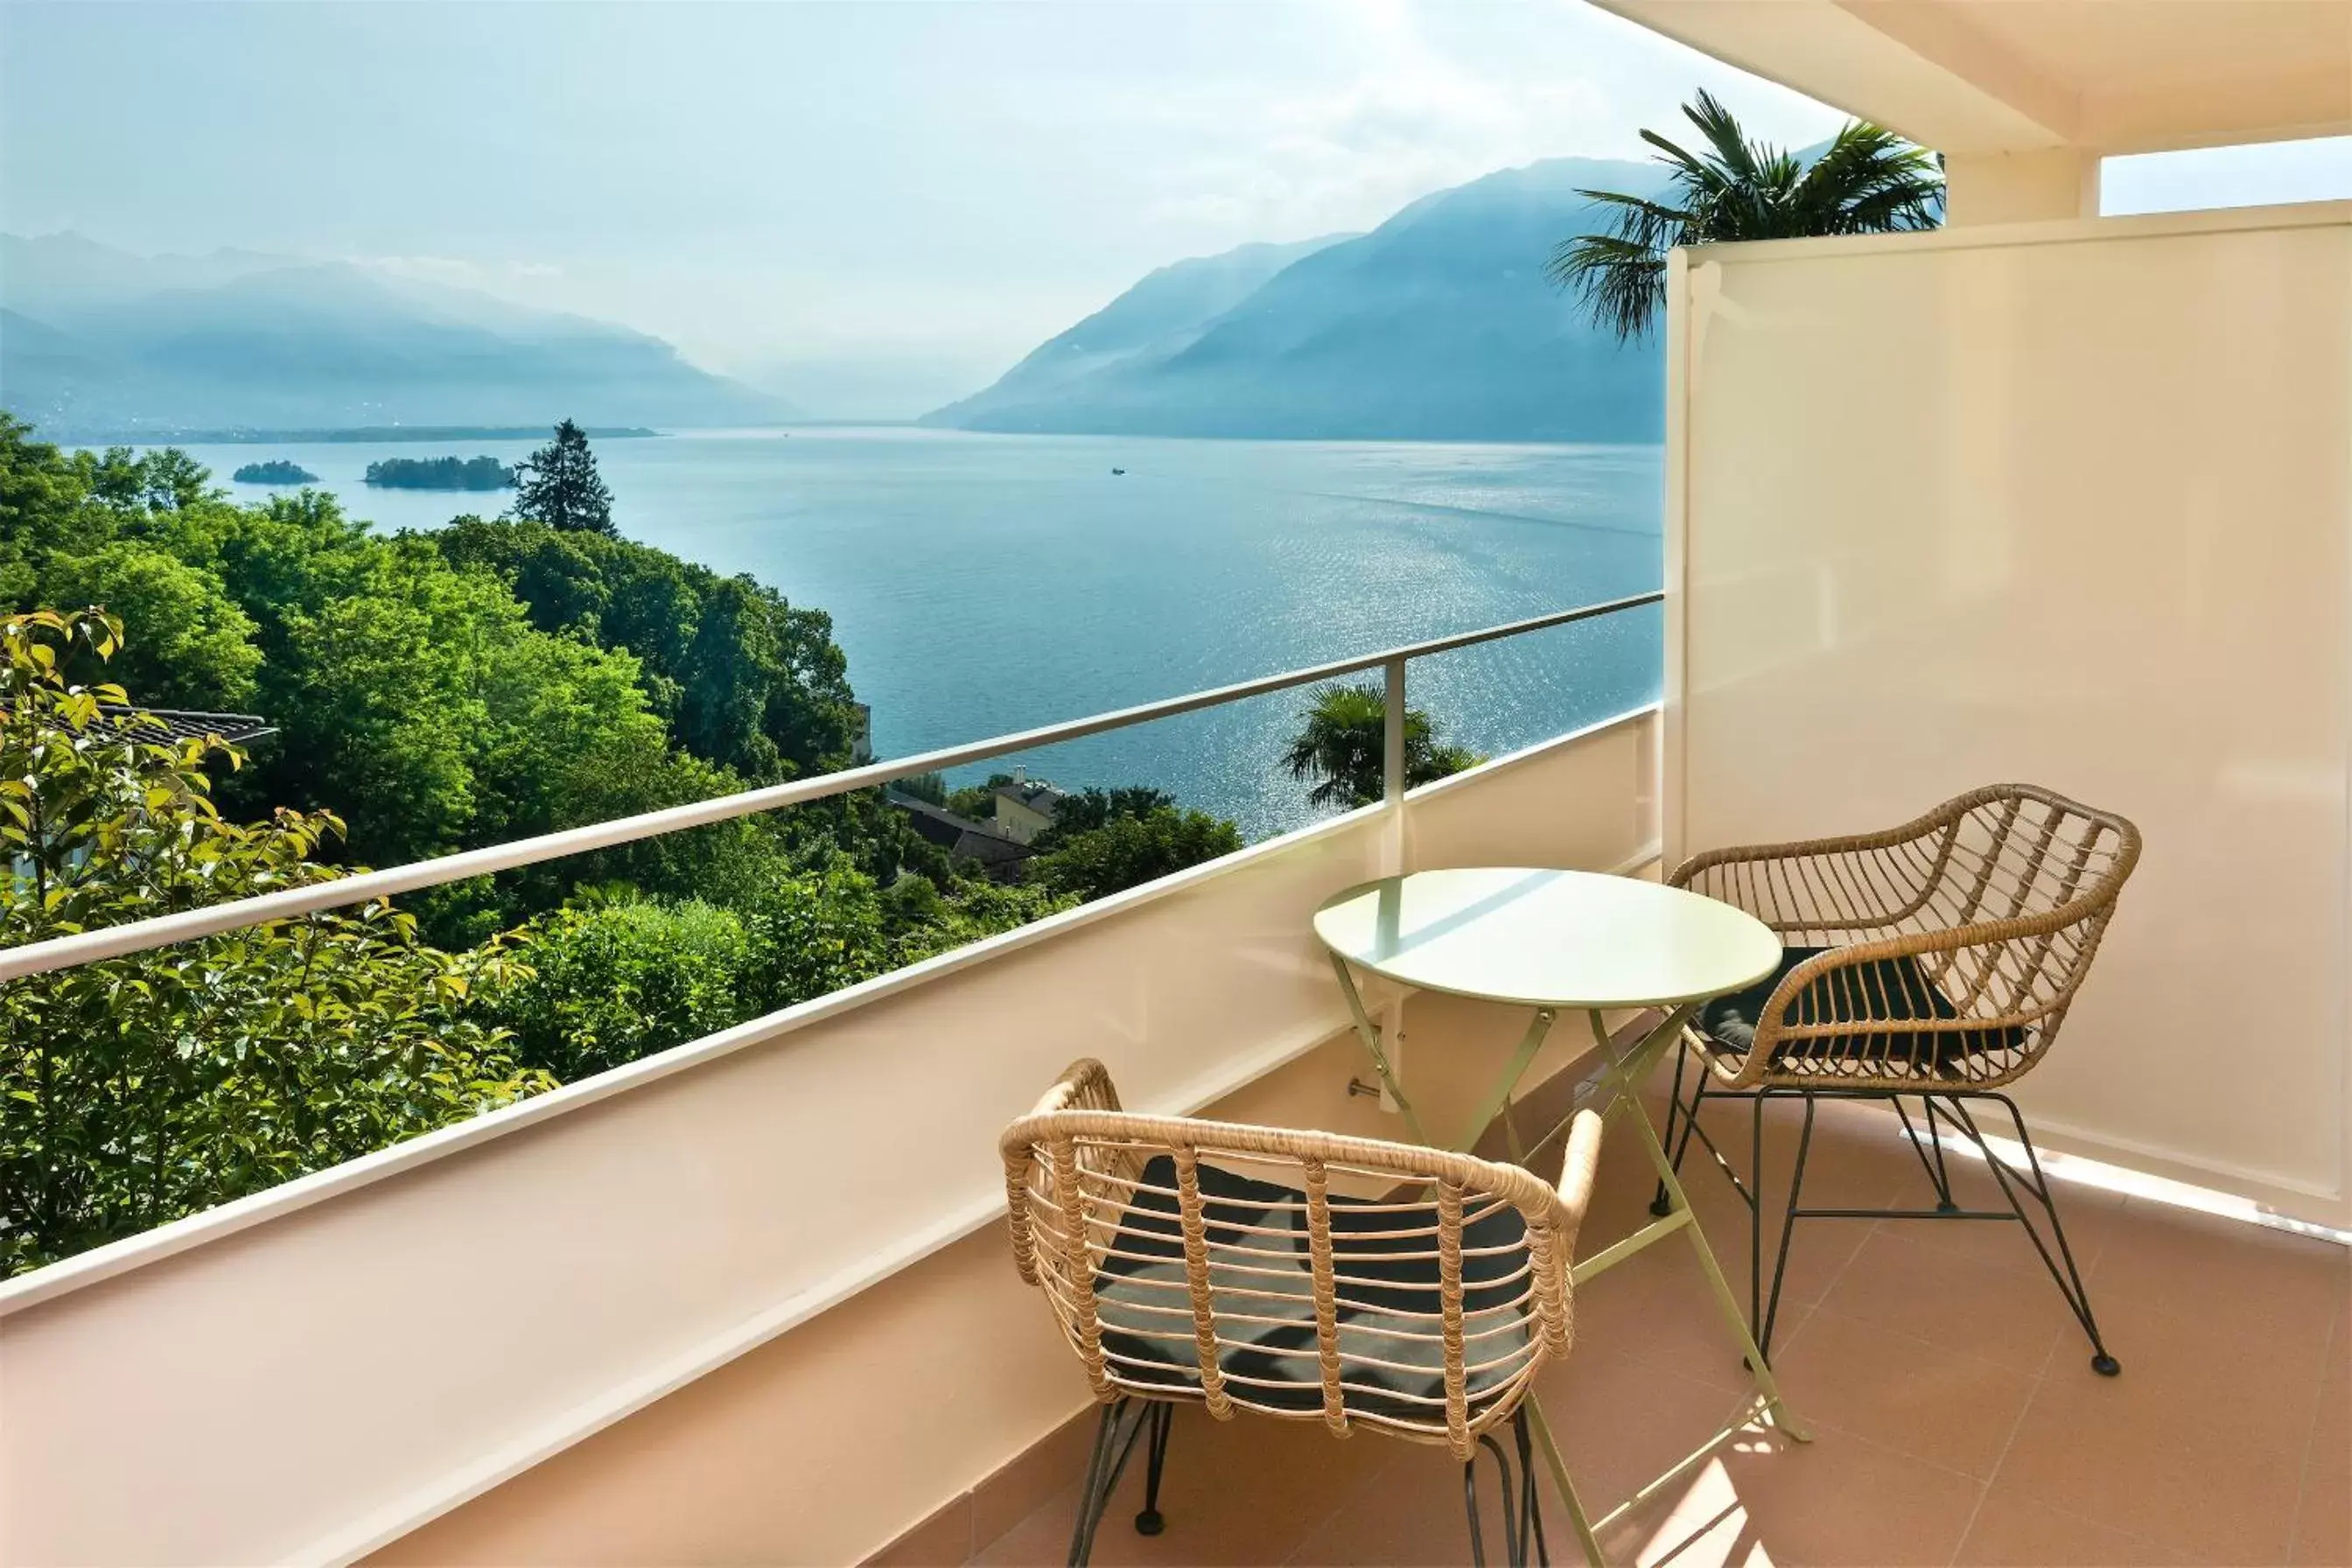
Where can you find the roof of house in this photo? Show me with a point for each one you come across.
(188, 724)
(959, 835)
(1040, 797)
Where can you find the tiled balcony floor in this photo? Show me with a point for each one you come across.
(1957, 1417)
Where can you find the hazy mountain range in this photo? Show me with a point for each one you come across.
(1438, 325)
(99, 342)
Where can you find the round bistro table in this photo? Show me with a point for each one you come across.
(1554, 941)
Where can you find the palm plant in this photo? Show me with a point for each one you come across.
(1867, 181)
(1341, 743)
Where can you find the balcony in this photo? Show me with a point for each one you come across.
(749, 1301)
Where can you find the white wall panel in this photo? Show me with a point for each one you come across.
(2068, 503)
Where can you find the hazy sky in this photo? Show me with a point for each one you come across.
(924, 190)
(882, 204)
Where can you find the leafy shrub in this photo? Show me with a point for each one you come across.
(614, 982)
(141, 1088)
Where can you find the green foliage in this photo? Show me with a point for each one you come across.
(1868, 181)
(977, 801)
(612, 982)
(484, 473)
(742, 677)
(932, 787)
(137, 1090)
(1092, 808)
(446, 691)
(1341, 744)
(198, 648)
(560, 486)
(1130, 849)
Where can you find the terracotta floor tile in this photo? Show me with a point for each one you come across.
(2200, 1444)
(1929, 1401)
(1656, 1307)
(2323, 1526)
(1245, 1490)
(1838, 1500)
(2331, 1426)
(1412, 1512)
(2012, 1532)
(1952, 1301)
(2214, 1269)
(2089, 1215)
(1619, 1421)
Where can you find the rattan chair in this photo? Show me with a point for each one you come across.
(1299, 1275)
(1934, 959)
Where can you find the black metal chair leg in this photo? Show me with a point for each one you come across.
(1149, 1522)
(1514, 1528)
(1095, 1493)
(2070, 1280)
(1470, 1505)
(1660, 1205)
(1787, 1228)
(1755, 1196)
(1531, 1494)
(1938, 1177)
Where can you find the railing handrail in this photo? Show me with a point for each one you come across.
(163, 931)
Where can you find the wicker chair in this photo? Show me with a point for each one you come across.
(1229, 1267)
(1934, 960)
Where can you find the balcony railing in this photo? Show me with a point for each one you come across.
(64, 952)
(647, 1227)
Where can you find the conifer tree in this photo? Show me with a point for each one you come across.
(560, 487)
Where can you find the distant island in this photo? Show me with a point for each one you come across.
(441, 474)
(277, 472)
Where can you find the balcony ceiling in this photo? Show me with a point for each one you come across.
(2000, 75)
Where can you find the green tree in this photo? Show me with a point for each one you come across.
(1128, 850)
(197, 651)
(1868, 181)
(1340, 746)
(612, 980)
(558, 485)
(137, 1090)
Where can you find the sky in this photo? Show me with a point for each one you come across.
(871, 206)
(881, 205)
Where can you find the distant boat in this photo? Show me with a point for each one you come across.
(1119, 470)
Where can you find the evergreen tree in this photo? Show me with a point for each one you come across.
(560, 486)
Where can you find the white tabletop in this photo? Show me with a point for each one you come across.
(1547, 938)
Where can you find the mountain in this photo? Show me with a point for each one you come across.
(95, 342)
(1147, 325)
(1438, 325)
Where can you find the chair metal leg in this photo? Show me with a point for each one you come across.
(1660, 1205)
(1470, 1506)
(1514, 1524)
(1788, 1225)
(1937, 1176)
(1122, 1422)
(1755, 1195)
(1149, 1522)
(1531, 1494)
(2069, 1279)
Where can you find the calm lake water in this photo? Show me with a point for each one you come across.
(985, 583)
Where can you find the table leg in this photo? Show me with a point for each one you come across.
(1369, 1033)
(1499, 1103)
(1621, 1084)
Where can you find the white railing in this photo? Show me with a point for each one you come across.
(139, 936)
(657, 1223)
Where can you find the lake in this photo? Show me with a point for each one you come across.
(984, 584)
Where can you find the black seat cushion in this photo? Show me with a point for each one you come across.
(1145, 1304)
(1882, 992)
